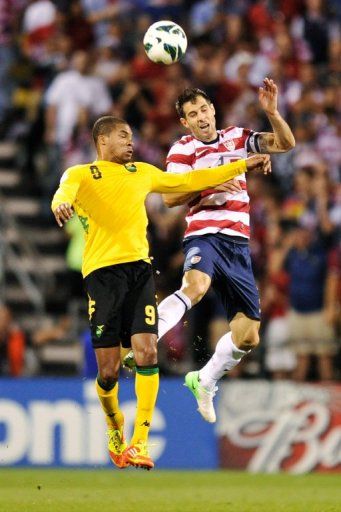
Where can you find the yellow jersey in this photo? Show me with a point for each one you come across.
(109, 199)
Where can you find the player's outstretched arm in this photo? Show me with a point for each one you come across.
(171, 200)
(282, 139)
(205, 178)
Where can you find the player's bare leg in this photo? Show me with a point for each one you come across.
(146, 387)
(108, 362)
(194, 286)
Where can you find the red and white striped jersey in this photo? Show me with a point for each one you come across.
(214, 212)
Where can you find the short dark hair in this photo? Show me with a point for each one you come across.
(104, 125)
(189, 94)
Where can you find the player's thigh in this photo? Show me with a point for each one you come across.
(106, 289)
(198, 267)
(234, 282)
(140, 319)
(244, 329)
(140, 310)
(195, 284)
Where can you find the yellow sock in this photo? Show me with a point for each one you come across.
(146, 388)
(110, 406)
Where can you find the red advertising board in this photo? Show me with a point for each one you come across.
(279, 426)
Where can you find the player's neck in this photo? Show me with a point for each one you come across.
(210, 139)
(105, 158)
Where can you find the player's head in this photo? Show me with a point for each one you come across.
(113, 139)
(197, 113)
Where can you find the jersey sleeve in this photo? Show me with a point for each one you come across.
(68, 187)
(178, 168)
(194, 181)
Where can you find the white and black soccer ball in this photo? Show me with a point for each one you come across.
(165, 42)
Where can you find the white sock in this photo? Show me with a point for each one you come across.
(226, 356)
(171, 310)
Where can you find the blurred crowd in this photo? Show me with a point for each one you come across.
(63, 63)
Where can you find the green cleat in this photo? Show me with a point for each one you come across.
(203, 396)
(129, 361)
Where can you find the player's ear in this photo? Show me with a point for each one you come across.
(102, 140)
(212, 108)
(184, 122)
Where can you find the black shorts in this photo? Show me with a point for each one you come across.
(122, 302)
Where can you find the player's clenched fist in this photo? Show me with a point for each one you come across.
(63, 213)
(259, 163)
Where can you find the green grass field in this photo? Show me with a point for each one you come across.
(47, 490)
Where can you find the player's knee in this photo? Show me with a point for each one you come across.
(195, 291)
(109, 375)
(146, 355)
(107, 383)
(250, 340)
(149, 355)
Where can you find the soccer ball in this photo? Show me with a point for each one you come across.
(165, 42)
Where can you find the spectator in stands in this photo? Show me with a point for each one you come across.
(72, 100)
(280, 359)
(312, 297)
(8, 9)
(38, 27)
(313, 26)
(12, 345)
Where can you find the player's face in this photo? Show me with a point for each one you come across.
(199, 118)
(118, 145)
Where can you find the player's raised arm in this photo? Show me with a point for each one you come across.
(65, 195)
(205, 178)
(281, 139)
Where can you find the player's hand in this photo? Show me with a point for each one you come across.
(63, 213)
(268, 96)
(259, 163)
(231, 187)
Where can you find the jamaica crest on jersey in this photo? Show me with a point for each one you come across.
(229, 144)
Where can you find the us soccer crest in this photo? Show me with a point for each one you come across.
(229, 144)
(195, 259)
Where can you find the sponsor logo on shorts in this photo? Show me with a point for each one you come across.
(195, 259)
(99, 330)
